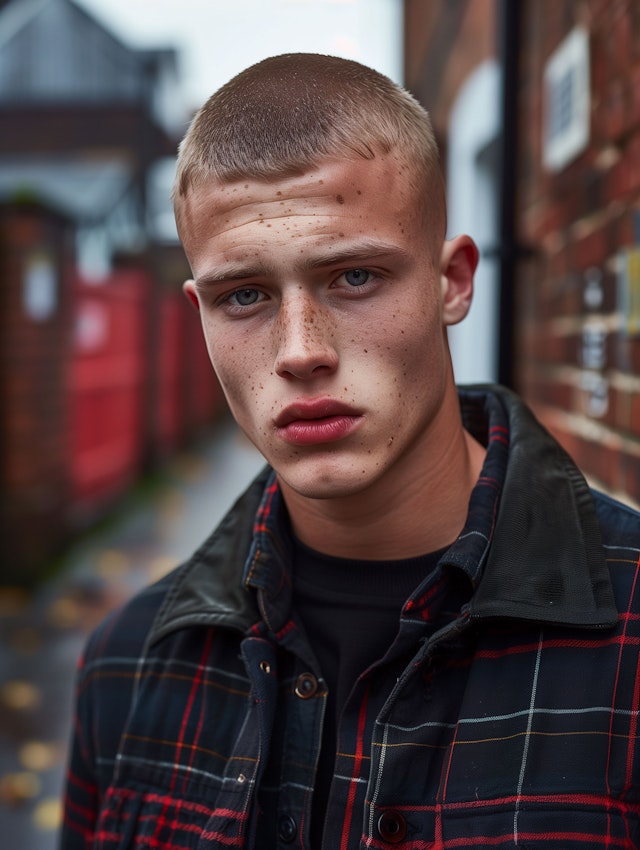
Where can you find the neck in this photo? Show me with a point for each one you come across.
(419, 507)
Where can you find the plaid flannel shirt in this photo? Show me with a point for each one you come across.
(505, 714)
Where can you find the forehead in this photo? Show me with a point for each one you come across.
(343, 190)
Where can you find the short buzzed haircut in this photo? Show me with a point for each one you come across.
(287, 113)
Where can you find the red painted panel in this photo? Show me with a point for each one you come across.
(170, 358)
(108, 382)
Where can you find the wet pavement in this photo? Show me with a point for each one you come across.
(42, 633)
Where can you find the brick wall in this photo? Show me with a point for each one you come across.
(444, 41)
(34, 341)
(577, 286)
(578, 360)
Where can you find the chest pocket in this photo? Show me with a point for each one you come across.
(500, 825)
(143, 819)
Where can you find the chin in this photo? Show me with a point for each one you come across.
(327, 481)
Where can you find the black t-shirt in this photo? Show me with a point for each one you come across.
(350, 610)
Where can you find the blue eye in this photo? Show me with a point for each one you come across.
(245, 297)
(357, 277)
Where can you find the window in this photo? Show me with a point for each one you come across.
(566, 101)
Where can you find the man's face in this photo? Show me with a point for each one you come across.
(321, 298)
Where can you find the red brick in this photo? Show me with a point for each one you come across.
(594, 187)
(633, 424)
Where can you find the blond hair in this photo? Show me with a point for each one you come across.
(288, 113)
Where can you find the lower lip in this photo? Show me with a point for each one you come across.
(309, 432)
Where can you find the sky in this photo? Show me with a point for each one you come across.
(218, 38)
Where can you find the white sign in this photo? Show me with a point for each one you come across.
(40, 287)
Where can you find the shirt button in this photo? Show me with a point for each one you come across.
(287, 829)
(392, 826)
(306, 685)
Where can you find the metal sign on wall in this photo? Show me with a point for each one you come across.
(629, 289)
(567, 101)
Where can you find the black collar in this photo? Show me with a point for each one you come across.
(544, 562)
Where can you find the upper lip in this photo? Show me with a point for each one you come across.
(313, 409)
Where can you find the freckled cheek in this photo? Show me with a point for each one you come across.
(244, 386)
(407, 361)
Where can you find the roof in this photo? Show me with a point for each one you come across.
(84, 191)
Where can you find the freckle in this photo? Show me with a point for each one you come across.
(278, 194)
(340, 199)
(321, 182)
(366, 350)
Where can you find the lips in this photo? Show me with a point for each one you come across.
(317, 421)
(312, 410)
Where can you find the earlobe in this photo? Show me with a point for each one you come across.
(189, 289)
(458, 264)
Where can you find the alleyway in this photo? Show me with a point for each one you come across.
(41, 635)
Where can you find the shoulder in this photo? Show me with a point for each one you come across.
(124, 631)
(211, 578)
(106, 677)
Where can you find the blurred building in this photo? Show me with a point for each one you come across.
(537, 110)
(101, 374)
(84, 121)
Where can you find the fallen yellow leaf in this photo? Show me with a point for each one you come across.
(18, 788)
(19, 695)
(38, 755)
(112, 563)
(64, 613)
(48, 814)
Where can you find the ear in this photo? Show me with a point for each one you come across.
(189, 289)
(458, 263)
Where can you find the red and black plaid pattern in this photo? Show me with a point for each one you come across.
(473, 731)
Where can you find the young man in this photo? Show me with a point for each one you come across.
(418, 627)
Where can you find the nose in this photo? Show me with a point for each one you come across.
(304, 339)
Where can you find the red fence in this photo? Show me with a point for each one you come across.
(131, 392)
(98, 383)
(107, 375)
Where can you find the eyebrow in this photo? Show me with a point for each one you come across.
(232, 271)
(362, 252)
